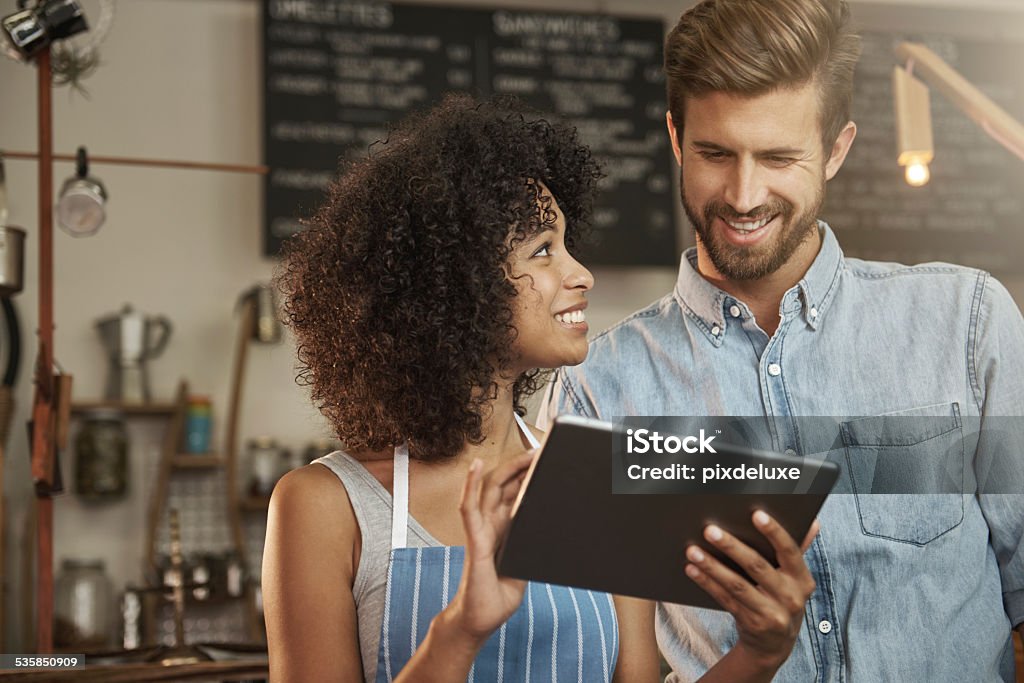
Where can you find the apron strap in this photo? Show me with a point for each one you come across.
(526, 431)
(400, 497)
(400, 486)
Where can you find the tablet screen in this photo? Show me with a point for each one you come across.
(570, 527)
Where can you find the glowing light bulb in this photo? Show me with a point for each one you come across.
(917, 174)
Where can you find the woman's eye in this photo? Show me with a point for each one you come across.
(544, 250)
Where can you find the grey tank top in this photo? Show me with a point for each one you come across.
(372, 504)
(374, 509)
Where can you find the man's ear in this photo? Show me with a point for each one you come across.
(840, 149)
(674, 135)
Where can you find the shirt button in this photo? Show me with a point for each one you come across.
(734, 311)
(774, 370)
(814, 313)
(825, 626)
(716, 330)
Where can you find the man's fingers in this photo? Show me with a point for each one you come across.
(788, 554)
(713, 588)
(738, 588)
(761, 572)
(791, 559)
(772, 595)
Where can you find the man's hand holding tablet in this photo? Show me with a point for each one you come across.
(769, 605)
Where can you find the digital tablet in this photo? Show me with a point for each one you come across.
(569, 528)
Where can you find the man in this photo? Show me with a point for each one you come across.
(768, 318)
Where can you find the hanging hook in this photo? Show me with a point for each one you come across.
(81, 163)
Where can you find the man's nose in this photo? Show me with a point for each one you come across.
(745, 187)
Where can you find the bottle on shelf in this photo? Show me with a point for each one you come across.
(198, 425)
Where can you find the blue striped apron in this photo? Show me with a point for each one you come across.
(557, 634)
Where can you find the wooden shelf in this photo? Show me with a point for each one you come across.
(254, 503)
(196, 461)
(153, 409)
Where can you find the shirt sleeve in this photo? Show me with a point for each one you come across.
(997, 366)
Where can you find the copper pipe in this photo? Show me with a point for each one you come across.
(160, 163)
(43, 440)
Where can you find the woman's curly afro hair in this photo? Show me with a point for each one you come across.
(398, 290)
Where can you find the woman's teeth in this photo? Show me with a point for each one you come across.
(571, 317)
(748, 227)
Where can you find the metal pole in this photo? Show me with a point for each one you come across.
(43, 437)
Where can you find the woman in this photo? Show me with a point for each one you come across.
(435, 281)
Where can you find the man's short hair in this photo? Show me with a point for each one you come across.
(752, 47)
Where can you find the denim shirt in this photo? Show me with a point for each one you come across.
(907, 589)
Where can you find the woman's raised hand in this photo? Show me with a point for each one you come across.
(484, 600)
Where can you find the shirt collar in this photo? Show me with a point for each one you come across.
(818, 284)
(709, 305)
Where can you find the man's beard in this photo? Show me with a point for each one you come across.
(753, 263)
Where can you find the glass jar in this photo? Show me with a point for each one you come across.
(264, 465)
(101, 468)
(83, 605)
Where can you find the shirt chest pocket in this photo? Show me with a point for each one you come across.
(907, 472)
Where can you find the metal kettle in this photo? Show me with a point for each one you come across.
(130, 339)
(12, 246)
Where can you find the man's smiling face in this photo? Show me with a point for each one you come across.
(753, 179)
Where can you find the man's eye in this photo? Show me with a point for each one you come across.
(780, 161)
(713, 156)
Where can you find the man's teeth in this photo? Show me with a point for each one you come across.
(571, 317)
(748, 227)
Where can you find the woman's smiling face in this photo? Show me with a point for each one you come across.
(551, 285)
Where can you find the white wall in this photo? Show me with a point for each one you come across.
(180, 79)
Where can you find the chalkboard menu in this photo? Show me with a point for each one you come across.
(337, 73)
(971, 211)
